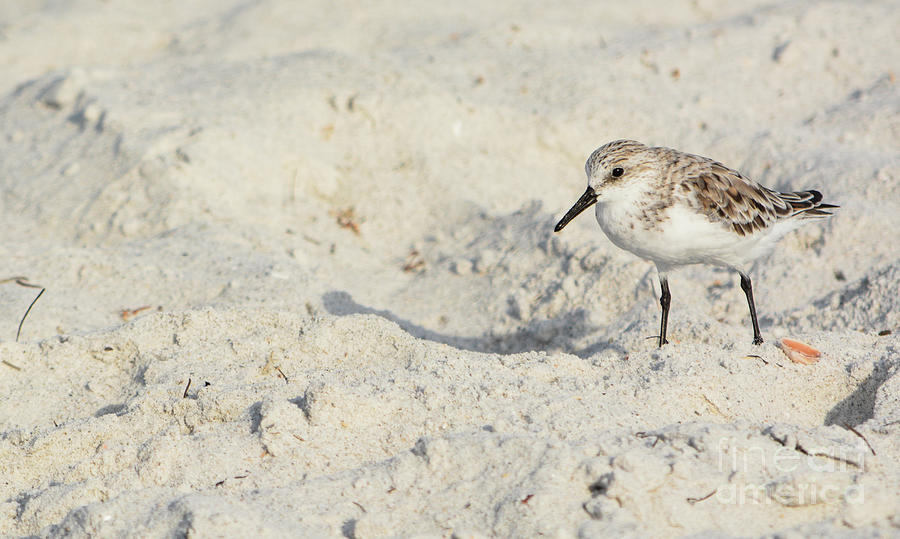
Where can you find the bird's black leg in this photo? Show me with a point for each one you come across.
(664, 300)
(748, 290)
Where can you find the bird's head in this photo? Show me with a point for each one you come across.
(610, 170)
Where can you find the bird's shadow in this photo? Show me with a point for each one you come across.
(524, 235)
(341, 303)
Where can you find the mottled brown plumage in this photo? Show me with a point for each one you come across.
(725, 195)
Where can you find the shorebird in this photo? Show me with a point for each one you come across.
(676, 209)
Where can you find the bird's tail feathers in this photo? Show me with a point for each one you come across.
(808, 204)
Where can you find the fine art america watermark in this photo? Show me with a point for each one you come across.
(788, 476)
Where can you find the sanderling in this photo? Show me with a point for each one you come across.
(676, 209)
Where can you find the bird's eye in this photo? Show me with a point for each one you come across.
(618, 171)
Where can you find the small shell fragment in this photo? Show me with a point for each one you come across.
(799, 352)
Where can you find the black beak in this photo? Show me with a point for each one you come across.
(586, 201)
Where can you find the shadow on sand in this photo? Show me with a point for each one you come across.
(569, 328)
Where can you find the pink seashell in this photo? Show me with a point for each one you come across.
(799, 352)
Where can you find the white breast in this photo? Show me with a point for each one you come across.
(681, 237)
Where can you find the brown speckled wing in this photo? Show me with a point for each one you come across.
(725, 196)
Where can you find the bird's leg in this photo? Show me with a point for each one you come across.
(664, 300)
(748, 290)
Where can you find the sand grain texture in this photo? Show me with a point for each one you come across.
(301, 278)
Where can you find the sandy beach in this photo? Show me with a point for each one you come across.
(300, 275)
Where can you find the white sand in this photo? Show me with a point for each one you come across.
(193, 159)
